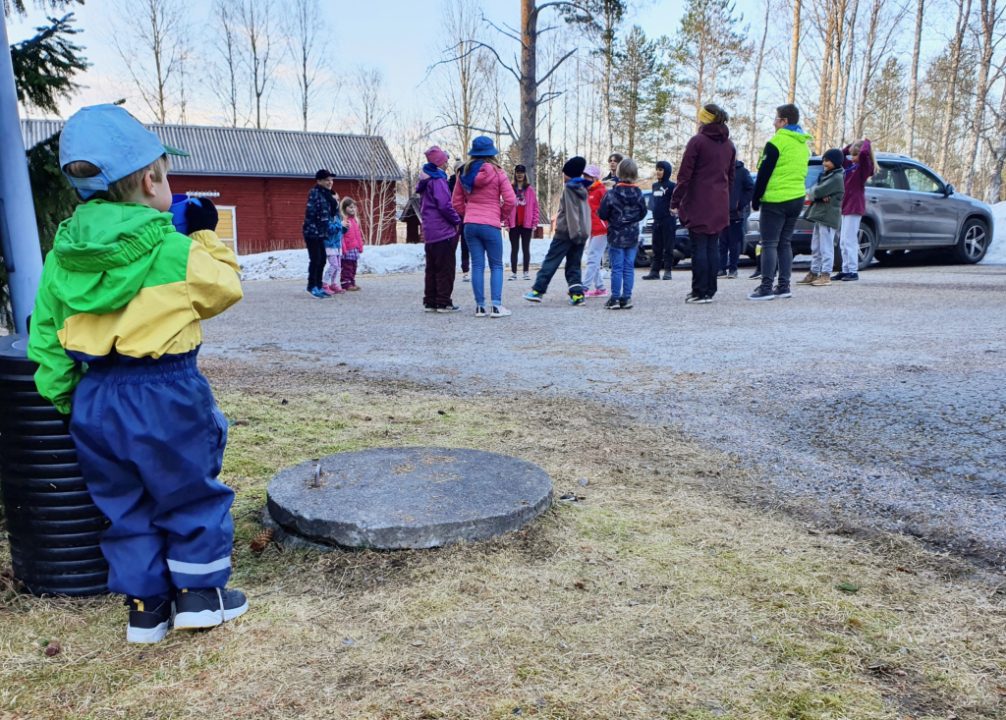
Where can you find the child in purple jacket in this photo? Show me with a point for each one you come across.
(440, 232)
(858, 170)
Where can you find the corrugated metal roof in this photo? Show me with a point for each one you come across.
(259, 153)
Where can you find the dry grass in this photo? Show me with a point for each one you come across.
(653, 598)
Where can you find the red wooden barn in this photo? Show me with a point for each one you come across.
(260, 179)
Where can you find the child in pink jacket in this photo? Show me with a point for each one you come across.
(484, 198)
(522, 221)
(858, 170)
(352, 245)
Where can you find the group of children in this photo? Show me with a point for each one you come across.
(330, 238)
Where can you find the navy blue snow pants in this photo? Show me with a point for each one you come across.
(150, 443)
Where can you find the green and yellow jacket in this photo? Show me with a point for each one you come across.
(782, 169)
(121, 279)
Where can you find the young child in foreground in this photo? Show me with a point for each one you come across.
(825, 211)
(572, 228)
(122, 294)
(352, 245)
(623, 207)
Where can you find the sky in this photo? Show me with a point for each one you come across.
(402, 38)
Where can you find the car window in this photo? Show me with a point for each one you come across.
(886, 178)
(813, 173)
(920, 180)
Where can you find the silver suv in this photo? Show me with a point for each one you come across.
(908, 207)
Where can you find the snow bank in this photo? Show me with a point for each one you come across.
(996, 254)
(375, 260)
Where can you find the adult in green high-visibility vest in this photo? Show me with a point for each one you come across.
(778, 196)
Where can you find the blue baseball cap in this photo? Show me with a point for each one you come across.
(108, 137)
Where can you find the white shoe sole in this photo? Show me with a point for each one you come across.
(147, 635)
(206, 618)
(765, 297)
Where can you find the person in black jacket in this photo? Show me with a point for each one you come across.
(465, 254)
(317, 216)
(665, 224)
(623, 208)
(732, 237)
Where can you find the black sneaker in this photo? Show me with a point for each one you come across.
(149, 619)
(732, 275)
(207, 607)
(755, 275)
(783, 291)
(850, 277)
(721, 274)
(690, 298)
(625, 303)
(612, 304)
(449, 309)
(762, 293)
(839, 276)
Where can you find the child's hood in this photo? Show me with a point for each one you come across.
(579, 187)
(105, 252)
(486, 175)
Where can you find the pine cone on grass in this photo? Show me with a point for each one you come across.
(261, 541)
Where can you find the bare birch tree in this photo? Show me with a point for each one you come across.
(988, 18)
(225, 65)
(461, 97)
(368, 103)
(883, 23)
(302, 28)
(956, 46)
(913, 90)
(757, 82)
(153, 44)
(794, 55)
(261, 54)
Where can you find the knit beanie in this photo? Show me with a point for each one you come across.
(836, 157)
(594, 171)
(437, 156)
(574, 167)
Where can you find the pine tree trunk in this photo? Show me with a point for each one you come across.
(757, 79)
(528, 88)
(794, 51)
(913, 94)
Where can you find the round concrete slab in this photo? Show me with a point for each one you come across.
(394, 498)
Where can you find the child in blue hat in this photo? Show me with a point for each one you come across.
(115, 332)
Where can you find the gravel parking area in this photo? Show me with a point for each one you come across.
(877, 404)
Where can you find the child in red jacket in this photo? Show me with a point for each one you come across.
(598, 235)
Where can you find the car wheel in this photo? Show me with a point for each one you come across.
(867, 246)
(972, 243)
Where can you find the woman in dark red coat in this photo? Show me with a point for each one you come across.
(702, 197)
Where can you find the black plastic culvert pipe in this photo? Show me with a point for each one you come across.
(52, 525)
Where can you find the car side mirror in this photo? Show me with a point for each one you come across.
(948, 190)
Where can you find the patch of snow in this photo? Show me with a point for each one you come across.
(996, 254)
(375, 260)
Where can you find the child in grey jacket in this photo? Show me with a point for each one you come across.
(825, 212)
(572, 229)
